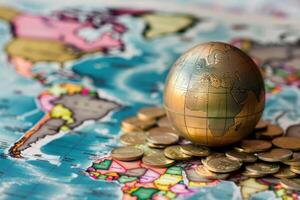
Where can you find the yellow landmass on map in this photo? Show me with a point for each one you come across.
(38, 50)
(7, 13)
(59, 111)
(250, 187)
(163, 24)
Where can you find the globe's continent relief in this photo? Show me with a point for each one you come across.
(223, 90)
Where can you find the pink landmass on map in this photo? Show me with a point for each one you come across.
(64, 31)
(45, 102)
(22, 66)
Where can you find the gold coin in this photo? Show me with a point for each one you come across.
(157, 160)
(294, 161)
(293, 131)
(291, 184)
(253, 146)
(164, 122)
(156, 146)
(147, 150)
(195, 150)
(133, 138)
(262, 124)
(174, 152)
(128, 153)
(252, 174)
(127, 129)
(275, 155)
(162, 136)
(241, 156)
(205, 173)
(151, 113)
(272, 131)
(221, 164)
(263, 168)
(295, 169)
(285, 172)
(135, 124)
(292, 143)
(215, 155)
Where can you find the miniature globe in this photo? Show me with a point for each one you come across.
(214, 94)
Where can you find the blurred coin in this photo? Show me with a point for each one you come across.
(294, 161)
(156, 146)
(162, 136)
(135, 124)
(275, 155)
(164, 122)
(127, 129)
(263, 168)
(157, 160)
(128, 153)
(291, 184)
(293, 131)
(285, 172)
(174, 152)
(252, 174)
(151, 113)
(295, 169)
(205, 173)
(147, 150)
(214, 155)
(272, 131)
(292, 143)
(221, 164)
(133, 138)
(241, 156)
(195, 150)
(252, 146)
(262, 124)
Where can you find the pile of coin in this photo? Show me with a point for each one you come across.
(149, 137)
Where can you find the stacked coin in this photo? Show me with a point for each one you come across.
(150, 137)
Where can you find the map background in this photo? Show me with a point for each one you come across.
(59, 172)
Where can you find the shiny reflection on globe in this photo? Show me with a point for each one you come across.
(214, 94)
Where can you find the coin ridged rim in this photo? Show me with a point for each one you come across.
(290, 184)
(273, 170)
(133, 125)
(260, 128)
(155, 146)
(295, 169)
(143, 116)
(174, 138)
(270, 133)
(209, 174)
(254, 149)
(274, 157)
(280, 174)
(252, 174)
(147, 158)
(135, 154)
(133, 135)
(182, 156)
(283, 144)
(231, 155)
(209, 165)
(202, 150)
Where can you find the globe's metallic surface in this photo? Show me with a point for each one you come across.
(214, 94)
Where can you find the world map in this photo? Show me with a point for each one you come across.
(70, 74)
